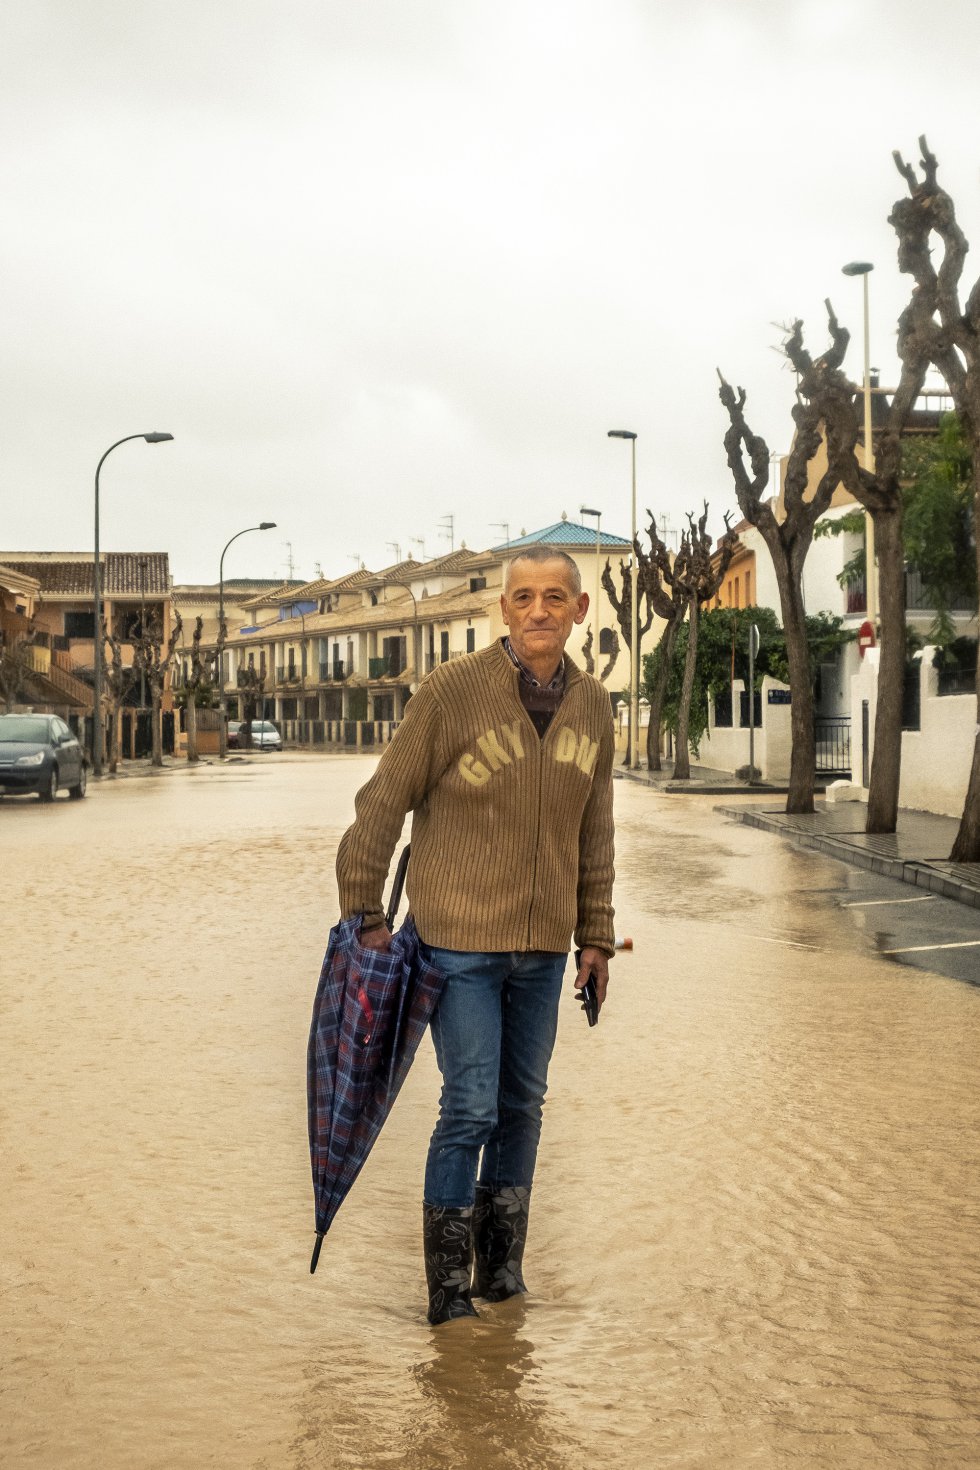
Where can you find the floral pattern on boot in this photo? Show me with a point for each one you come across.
(499, 1235)
(447, 1239)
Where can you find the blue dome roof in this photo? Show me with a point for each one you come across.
(564, 534)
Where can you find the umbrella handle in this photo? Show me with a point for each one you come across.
(316, 1251)
(398, 884)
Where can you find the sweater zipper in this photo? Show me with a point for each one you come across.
(537, 836)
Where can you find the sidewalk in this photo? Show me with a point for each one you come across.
(704, 782)
(917, 853)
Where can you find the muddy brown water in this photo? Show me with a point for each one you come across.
(754, 1235)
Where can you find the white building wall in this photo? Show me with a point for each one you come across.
(936, 758)
(727, 749)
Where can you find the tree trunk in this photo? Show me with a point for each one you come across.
(966, 848)
(682, 758)
(657, 695)
(803, 759)
(191, 711)
(886, 762)
(157, 757)
(115, 737)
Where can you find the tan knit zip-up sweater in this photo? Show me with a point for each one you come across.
(512, 834)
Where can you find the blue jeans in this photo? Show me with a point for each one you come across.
(494, 1032)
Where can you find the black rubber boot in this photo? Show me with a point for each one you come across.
(447, 1240)
(499, 1234)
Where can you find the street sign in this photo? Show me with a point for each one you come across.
(753, 640)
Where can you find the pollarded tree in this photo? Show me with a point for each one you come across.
(952, 340)
(16, 663)
(154, 659)
(699, 578)
(669, 602)
(623, 606)
(118, 680)
(200, 678)
(789, 539)
(588, 656)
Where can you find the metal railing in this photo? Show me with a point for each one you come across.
(957, 681)
(832, 735)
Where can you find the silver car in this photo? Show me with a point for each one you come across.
(264, 736)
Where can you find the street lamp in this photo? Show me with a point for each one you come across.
(864, 268)
(220, 671)
(142, 567)
(97, 644)
(584, 510)
(635, 623)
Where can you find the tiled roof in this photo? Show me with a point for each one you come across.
(279, 592)
(15, 579)
(564, 534)
(69, 573)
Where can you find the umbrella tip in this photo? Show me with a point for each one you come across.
(316, 1251)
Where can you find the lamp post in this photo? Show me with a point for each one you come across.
(584, 510)
(635, 618)
(222, 731)
(97, 645)
(142, 566)
(864, 268)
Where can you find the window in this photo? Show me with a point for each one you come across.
(444, 647)
(748, 589)
(79, 624)
(477, 584)
(736, 602)
(606, 640)
(471, 640)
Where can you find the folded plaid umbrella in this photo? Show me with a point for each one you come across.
(370, 1014)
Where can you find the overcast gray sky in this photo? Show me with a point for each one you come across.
(376, 262)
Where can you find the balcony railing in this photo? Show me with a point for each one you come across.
(334, 673)
(289, 674)
(378, 668)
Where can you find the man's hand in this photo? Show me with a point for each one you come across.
(379, 938)
(593, 962)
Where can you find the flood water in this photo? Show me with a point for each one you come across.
(754, 1233)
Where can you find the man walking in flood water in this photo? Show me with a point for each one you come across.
(505, 758)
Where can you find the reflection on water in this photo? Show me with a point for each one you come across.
(753, 1233)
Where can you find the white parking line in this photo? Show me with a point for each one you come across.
(918, 948)
(767, 939)
(872, 903)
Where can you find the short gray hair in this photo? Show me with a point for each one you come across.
(547, 553)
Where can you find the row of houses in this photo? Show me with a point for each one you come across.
(350, 648)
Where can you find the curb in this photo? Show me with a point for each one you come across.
(918, 872)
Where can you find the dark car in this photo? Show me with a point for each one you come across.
(234, 737)
(39, 753)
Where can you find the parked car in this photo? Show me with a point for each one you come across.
(39, 753)
(265, 736)
(233, 739)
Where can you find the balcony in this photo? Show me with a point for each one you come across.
(289, 674)
(335, 672)
(379, 668)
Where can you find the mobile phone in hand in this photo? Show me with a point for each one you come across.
(590, 1001)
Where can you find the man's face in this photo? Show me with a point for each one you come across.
(539, 608)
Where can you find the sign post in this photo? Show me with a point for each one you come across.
(753, 650)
